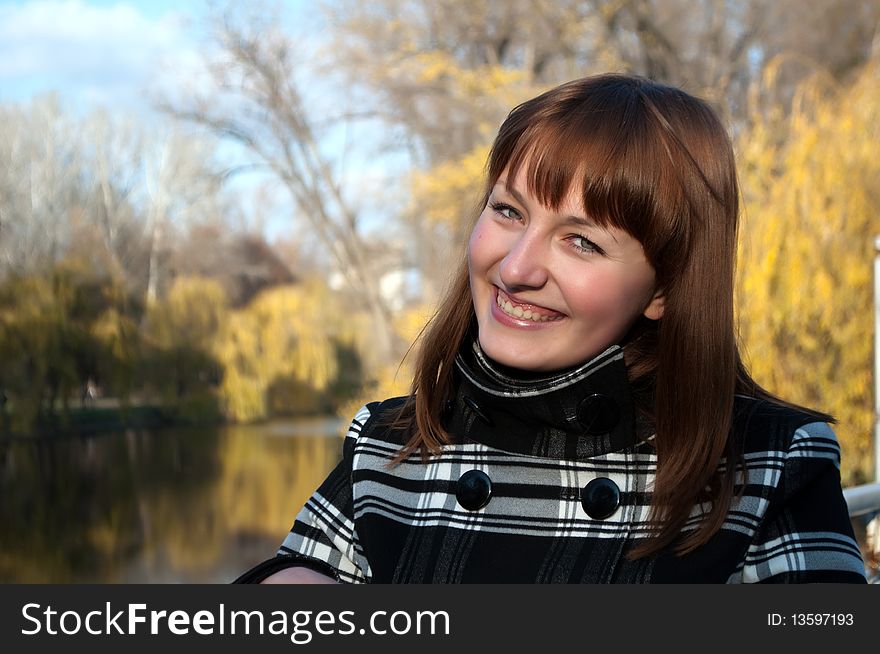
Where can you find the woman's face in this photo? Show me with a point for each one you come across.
(550, 288)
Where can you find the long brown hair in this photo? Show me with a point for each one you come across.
(657, 163)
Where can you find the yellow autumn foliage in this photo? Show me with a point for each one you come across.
(489, 80)
(118, 334)
(286, 338)
(29, 316)
(180, 331)
(811, 191)
(448, 192)
(189, 315)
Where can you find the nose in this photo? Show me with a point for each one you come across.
(524, 266)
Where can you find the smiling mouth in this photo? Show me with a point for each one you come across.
(524, 311)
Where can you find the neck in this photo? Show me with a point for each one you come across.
(570, 414)
(522, 374)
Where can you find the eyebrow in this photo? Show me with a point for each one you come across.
(571, 220)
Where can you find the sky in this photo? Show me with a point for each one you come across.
(93, 52)
(118, 55)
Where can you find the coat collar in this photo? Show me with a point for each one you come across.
(576, 414)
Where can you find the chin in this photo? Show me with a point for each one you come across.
(519, 364)
(507, 356)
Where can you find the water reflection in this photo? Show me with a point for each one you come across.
(181, 505)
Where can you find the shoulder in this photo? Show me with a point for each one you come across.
(792, 489)
(377, 419)
(755, 408)
(762, 425)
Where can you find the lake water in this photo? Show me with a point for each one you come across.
(196, 505)
(166, 506)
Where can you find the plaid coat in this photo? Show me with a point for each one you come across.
(549, 481)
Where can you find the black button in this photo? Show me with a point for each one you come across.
(598, 414)
(600, 498)
(477, 410)
(474, 490)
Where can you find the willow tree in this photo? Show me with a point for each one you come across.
(180, 333)
(811, 189)
(281, 349)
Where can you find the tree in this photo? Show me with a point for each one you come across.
(812, 209)
(286, 341)
(57, 330)
(101, 188)
(39, 185)
(115, 149)
(179, 188)
(181, 330)
(244, 264)
(255, 100)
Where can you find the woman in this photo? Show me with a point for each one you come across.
(580, 411)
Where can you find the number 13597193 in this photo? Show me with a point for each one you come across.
(810, 620)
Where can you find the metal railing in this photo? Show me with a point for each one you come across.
(864, 511)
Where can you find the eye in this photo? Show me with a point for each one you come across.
(583, 244)
(505, 210)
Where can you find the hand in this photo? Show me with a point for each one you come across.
(298, 575)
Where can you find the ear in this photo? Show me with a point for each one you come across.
(654, 310)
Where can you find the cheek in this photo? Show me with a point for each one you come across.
(479, 247)
(606, 297)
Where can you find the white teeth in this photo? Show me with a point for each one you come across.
(518, 312)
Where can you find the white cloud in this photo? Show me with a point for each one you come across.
(95, 54)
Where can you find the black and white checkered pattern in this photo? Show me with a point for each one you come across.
(372, 522)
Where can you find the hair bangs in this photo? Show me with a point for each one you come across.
(608, 146)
